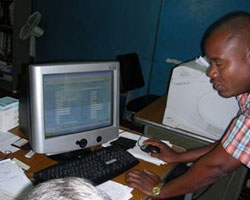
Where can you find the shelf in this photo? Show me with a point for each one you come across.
(13, 51)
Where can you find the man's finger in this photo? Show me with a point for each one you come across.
(149, 172)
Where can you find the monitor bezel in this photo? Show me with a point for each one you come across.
(66, 143)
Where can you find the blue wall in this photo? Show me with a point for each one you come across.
(97, 30)
(182, 24)
(102, 29)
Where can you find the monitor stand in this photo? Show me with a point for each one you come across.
(67, 156)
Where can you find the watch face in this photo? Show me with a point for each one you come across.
(156, 191)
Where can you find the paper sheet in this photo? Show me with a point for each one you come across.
(138, 153)
(13, 181)
(5, 196)
(120, 130)
(116, 190)
(6, 139)
(202, 61)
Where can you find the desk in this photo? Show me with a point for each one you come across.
(227, 188)
(153, 114)
(39, 161)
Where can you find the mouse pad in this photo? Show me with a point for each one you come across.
(124, 142)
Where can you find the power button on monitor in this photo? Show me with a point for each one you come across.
(99, 139)
(82, 143)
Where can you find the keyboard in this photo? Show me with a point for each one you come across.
(97, 166)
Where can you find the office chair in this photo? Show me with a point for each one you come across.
(131, 78)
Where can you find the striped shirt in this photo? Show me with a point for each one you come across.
(237, 138)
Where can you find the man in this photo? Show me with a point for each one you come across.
(70, 188)
(227, 48)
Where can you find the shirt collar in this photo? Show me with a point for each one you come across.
(244, 101)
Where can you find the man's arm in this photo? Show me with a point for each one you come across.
(205, 171)
(196, 153)
(170, 156)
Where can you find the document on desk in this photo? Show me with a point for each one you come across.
(116, 190)
(13, 181)
(6, 139)
(5, 196)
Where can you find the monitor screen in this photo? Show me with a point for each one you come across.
(77, 102)
(72, 105)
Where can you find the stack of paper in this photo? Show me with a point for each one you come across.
(116, 190)
(5, 196)
(13, 181)
(8, 113)
(6, 139)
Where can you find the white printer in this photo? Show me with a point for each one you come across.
(194, 106)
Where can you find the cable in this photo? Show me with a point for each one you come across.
(138, 141)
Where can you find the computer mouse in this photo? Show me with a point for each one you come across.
(150, 148)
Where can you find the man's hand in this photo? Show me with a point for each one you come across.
(142, 180)
(166, 153)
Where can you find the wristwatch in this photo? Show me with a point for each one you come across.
(157, 189)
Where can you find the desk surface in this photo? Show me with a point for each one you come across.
(153, 113)
(39, 161)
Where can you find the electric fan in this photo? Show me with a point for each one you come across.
(31, 29)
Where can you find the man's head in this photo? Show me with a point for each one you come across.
(227, 48)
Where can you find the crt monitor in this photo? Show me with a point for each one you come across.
(193, 107)
(70, 106)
